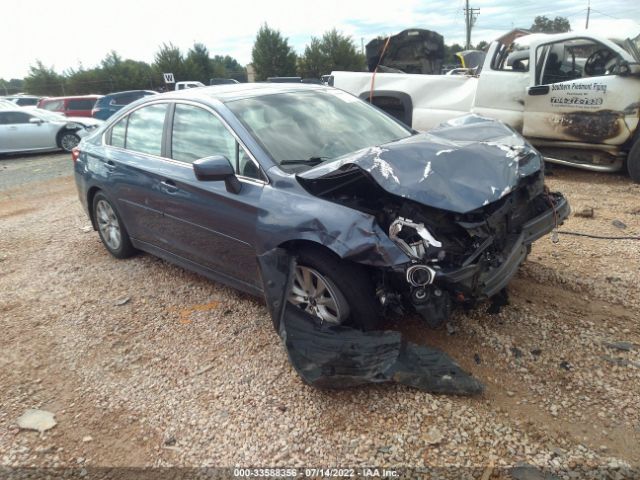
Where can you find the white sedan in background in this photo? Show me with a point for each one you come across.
(32, 130)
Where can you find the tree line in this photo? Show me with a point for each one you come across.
(271, 56)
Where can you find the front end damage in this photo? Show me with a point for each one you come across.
(464, 203)
(460, 207)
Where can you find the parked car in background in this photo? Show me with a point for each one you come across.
(184, 85)
(377, 216)
(111, 103)
(223, 81)
(23, 100)
(23, 130)
(78, 106)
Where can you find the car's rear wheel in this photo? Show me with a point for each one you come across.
(633, 162)
(335, 291)
(112, 231)
(69, 141)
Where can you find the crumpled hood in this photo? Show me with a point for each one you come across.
(461, 165)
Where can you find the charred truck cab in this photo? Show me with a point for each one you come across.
(466, 222)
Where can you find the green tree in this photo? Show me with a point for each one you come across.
(117, 74)
(450, 54)
(333, 52)
(197, 64)
(271, 54)
(44, 80)
(169, 60)
(230, 68)
(482, 45)
(543, 24)
(15, 85)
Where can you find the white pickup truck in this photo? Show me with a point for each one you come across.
(575, 96)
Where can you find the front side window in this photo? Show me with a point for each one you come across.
(316, 125)
(144, 129)
(198, 133)
(14, 118)
(573, 59)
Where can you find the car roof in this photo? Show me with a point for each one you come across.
(230, 92)
(128, 91)
(72, 97)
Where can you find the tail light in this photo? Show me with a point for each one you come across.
(75, 154)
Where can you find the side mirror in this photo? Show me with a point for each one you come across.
(217, 168)
(37, 121)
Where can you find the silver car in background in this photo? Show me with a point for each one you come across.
(31, 130)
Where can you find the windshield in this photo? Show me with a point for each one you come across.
(309, 127)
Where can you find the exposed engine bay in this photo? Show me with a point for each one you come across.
(455, 258)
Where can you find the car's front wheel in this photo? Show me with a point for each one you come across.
(335, 291)
(112, 231)
(69, 141)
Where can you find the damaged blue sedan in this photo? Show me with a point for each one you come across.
(377, 216)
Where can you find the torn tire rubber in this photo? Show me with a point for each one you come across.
(633, 162)
(111, 229)
(352, 282)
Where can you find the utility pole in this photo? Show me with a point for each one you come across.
(586, 27)
(470, 15)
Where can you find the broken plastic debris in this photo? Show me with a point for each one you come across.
(328, 356)
(39, 420)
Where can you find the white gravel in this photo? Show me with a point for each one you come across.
(190, 373)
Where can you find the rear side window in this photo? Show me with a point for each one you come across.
(118, 132)
(84, 104)
(54, 106)
(144, 129)
(198, 133)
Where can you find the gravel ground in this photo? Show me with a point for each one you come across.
(146, 364)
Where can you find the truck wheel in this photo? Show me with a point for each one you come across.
(336, 291)
(633, 162)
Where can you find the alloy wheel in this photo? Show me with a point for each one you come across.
(317, 295)
(108, 225)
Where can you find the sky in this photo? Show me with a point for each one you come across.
(84, 32)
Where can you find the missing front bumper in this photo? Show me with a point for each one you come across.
(483, 281)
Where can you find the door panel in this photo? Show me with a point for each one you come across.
(211, 226)
(597, 110)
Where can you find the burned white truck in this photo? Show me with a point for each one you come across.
(574, 96)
